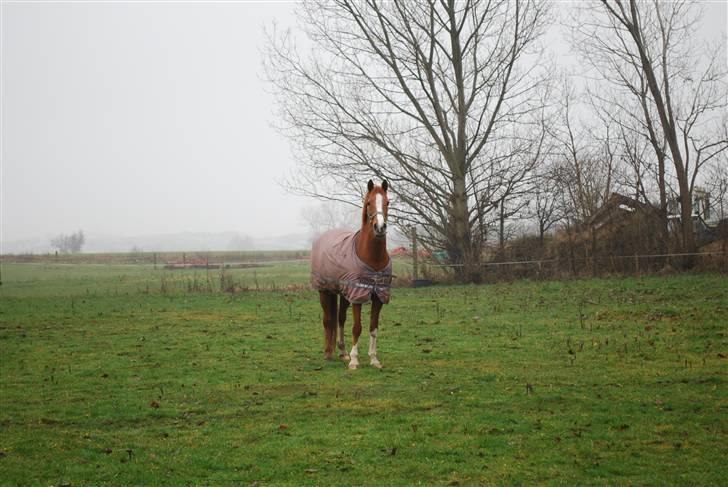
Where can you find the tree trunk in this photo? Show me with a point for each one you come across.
(462, 252)
(670, 134)
(415, 275)
(663, 201)
(541, 233)
(663, 236)
(502, 227)
(686, 221)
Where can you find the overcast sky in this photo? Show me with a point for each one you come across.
(130, 118)
(134, 118)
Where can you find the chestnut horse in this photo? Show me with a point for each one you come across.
(355, 266)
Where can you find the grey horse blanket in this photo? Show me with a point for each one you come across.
(336, 267)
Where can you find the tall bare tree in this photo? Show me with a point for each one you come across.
(717, 184)
(544, 203)
(647, 50)
(434, 96)
(583, 158)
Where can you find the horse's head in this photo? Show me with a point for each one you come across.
(376, 205)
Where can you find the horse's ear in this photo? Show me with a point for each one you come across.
(370, 185)
(385, 185)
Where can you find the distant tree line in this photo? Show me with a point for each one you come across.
(69, 244)
(484, 141)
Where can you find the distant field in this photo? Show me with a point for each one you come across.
(159, 257)
(58, 279)
(127, 375)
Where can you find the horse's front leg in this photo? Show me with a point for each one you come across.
(373, 326)
(355, 333)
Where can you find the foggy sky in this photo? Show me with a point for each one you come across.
(140, 118)
(147, 118)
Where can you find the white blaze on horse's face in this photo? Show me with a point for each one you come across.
(380, 226)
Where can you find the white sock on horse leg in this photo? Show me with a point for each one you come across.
(354, 362)
(373, 343)
(373, 349)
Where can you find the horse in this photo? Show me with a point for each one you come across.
(356, 267)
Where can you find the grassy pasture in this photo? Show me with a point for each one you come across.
(123, 375)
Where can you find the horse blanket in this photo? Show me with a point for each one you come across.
(336, 267)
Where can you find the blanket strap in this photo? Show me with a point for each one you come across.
(382, 281)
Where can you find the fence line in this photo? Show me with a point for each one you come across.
(634, 256)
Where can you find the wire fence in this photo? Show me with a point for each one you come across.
(584, 266)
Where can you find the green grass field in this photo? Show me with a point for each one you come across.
(126, 375)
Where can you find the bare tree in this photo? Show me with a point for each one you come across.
(583, 162)
(646, 50)
(544, 203)
(641, 149)
(328, 215)
(434, 96)
(69, 244)
(717, 184)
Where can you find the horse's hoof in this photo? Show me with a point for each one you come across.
(344, 357)
(328, 356)
(353, 366)
(376, 365)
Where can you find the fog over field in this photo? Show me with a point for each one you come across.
(148, 126)
(144, 125)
